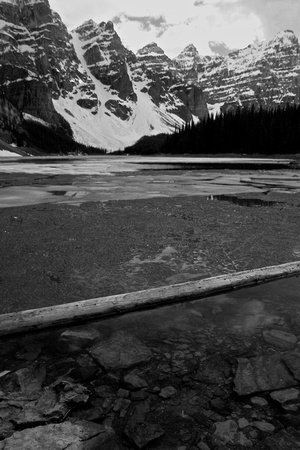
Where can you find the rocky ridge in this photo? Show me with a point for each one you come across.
(263, 74)
(37, 61)
(107, 96)
(88, 78)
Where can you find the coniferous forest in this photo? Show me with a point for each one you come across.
(243, 131)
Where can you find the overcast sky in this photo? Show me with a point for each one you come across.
(213, 26)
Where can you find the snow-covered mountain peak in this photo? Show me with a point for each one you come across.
(286, 38)
(90, 29)
(22, 3)
(187, 62)
(88, 24)
(190, 50)
(188, 57)
(152, 50)
(111, 97)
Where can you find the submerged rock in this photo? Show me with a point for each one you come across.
(262, 373)
(286, 396)
(168, 392)
(135, 381)
(280, 339)
(259, 401)
(143, 433)
(263, 426)
(292, 360)
(74, 339)
(77, 435)
(214, 370)
(26, 382)
(284, 440)
(121, 351)
(227, 432)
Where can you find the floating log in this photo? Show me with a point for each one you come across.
(99, 308)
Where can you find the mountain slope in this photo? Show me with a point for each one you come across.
(122, 110)
(86, 79)
(88, 85)
(264, 74)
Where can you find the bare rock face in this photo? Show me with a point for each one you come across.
(37, 59)
(119, 109)
(111, 97)
(187, 62)
(10, 119)
(193, 100)
(263, 74)
(166, 85)
(106, 57)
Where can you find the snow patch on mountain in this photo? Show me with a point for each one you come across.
(103, 128)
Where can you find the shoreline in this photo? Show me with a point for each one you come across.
(106, 307)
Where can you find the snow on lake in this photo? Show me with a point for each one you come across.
(123, 178)
(8, 154)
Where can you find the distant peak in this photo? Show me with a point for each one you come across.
(89, 22)
(287, 32)
(22, 3)
(285, 37)
(91, 25)
(86, 26)
(188, 58)
(150, 48)
(108, 26)
(190, 48)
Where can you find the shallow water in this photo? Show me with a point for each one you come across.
(249, 202)
(69, 237)
(77, 180)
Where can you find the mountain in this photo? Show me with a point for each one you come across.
(86, 82)
(87, 85)
(264, 74)
(188, 61)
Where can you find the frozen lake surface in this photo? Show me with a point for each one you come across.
(28, 181)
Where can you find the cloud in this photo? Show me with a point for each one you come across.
(220, 48)
(219, 3)
(214, 26)
(146, 23)
(275, 15)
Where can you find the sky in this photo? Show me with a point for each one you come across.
(213, 26)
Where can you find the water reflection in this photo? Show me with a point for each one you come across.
(58, 193)
(248, 202)
(243, 312)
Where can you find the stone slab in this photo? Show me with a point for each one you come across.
(262, 373)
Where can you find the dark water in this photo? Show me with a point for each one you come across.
(248, 202)
(58, 193)
(215, 165)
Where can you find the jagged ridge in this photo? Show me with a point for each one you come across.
(112, 97)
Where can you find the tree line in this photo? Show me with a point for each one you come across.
(242, 131)
(54, 140)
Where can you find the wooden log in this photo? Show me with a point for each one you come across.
(58, 315)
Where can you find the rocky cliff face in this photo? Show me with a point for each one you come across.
(111, 97)
(37, 59)
(265, 74)
(188, 61)
(166, 86)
